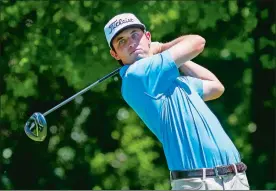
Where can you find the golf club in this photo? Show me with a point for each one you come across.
(36, 126)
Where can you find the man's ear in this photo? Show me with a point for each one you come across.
(148, 35)
(114, 54)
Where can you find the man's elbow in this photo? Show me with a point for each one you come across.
(215, 92)
(219, 90)
(199, 43)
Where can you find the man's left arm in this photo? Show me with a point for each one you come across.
(212, 87)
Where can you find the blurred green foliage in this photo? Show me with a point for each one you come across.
(52, 49)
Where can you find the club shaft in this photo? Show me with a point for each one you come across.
(82, 91)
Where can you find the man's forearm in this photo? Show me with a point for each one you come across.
(192, 69)
(167, 45)
(183, 48)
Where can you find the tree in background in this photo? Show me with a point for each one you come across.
(50, 50)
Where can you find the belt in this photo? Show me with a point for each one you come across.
(217, 171)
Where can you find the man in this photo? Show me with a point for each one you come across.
(199, 153)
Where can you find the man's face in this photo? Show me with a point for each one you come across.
(131, 45)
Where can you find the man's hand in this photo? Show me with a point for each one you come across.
(155, 48)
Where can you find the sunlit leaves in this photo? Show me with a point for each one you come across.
(84, 24)
(264, 42)
(250, 21)
(233, 7)
(19, 86)
(172, 14)
(57, 16)
(273, 29)
(268, 62)
(55, 49)
(66, 155)
(53, 142)
(210, 20)
(98, 161)
(240, 48)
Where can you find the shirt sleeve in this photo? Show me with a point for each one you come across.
(156, 73)
(196, 84)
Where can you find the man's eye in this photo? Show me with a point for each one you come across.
(135, 35)
(122, 41)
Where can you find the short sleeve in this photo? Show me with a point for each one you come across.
(196, 84)
(156, 73)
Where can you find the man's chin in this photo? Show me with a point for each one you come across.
(139, 57)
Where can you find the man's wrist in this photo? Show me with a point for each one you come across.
(167, 45)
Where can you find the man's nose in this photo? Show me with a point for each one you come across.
(132, 43)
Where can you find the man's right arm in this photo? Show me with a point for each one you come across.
(185, 48)
(182, 49)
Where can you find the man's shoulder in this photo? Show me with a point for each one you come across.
(150, 59)
(137, 68)
(141, 67)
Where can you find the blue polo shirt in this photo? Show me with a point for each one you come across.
(171, 106)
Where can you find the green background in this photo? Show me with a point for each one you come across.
(52, 49)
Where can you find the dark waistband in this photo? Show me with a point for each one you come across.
(217, 171)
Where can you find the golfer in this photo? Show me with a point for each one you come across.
(199, 153)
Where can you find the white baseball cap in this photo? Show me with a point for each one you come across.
(120, 22)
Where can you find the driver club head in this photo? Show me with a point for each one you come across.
(36, 127)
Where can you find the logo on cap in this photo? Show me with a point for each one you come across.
(117, 23)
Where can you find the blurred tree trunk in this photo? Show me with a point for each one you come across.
(263, 160)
